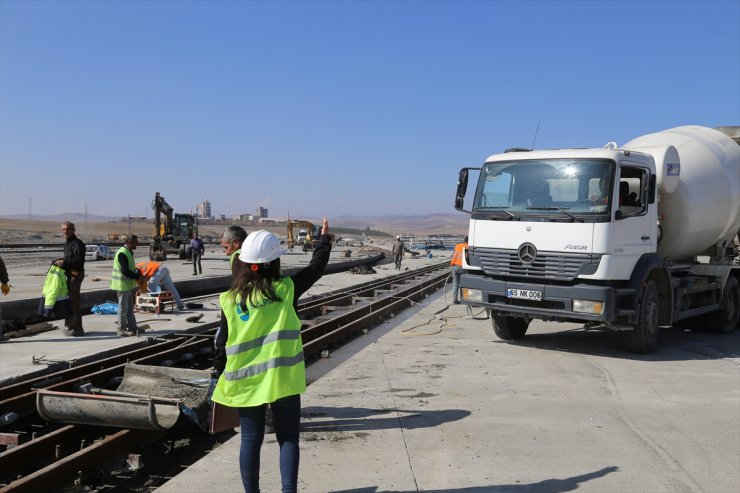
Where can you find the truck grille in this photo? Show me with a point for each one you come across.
(560, 266)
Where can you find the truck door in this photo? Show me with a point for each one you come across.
(635, 224)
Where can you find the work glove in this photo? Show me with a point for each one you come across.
(5, 288)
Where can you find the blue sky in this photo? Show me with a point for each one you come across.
(334, 107)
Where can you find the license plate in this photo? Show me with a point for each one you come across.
(524, 294)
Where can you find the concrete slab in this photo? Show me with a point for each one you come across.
(440, 404)
(17, 355)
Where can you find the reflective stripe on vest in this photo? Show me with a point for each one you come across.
(118, 281)
(55, 286)
(263, 367)
(264, 351)
(261, 341)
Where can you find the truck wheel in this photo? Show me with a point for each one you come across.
(644, 337)
(726, 319)
(185, 253)
(509, 327)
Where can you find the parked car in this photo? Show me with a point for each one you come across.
(98, 252)
(430, 245)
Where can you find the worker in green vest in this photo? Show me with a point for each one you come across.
(123, 281)
(259, 351)
(231, 241)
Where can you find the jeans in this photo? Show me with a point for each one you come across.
(456, 272)
(126, 320)
(196, 263)
(286, 419)
(397, 259)
(163, 275)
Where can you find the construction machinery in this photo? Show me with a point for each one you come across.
(305, 236)
(148, 398)
(630, 238)
(172, 232)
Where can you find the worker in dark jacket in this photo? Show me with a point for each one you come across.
(5, 288)
(197, 249)
(73, 264)
(259, 351)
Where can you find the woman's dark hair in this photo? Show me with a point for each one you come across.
(255, 284)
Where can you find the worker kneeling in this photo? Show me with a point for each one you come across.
(154, 274)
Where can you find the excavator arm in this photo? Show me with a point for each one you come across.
(162, 208)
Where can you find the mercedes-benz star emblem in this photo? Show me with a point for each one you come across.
(527, 253)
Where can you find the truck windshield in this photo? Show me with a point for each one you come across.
(560, 188)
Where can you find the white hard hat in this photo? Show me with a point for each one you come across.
(260, 247)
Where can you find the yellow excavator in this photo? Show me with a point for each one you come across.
(305, 236)
(172, 231)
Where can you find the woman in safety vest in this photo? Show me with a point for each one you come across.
(259, 352)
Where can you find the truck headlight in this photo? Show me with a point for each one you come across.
(586, 306)
(472, 294)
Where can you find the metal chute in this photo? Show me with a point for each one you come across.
(148, 398)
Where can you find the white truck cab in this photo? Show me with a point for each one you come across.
(574, 235)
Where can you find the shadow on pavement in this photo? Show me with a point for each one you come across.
(674, 344)
(348, 419)
(545, 486)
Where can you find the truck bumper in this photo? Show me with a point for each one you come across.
(556, 302)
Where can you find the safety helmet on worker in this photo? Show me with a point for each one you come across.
(260, 247)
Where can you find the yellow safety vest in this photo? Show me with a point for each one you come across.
(119, 282)
(55, 287)
(234, 256)
(264, 351)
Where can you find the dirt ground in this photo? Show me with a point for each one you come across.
(14, 231)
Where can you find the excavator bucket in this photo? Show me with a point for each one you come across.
(148, 398)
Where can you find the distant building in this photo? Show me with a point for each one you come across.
(203, 210)
(261, 213)
(243, 218)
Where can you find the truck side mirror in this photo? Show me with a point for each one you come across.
(651, 188)
(462, 187)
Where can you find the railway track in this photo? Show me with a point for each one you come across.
(49, 456)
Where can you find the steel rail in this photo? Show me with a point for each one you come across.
(24, 404)
(364, 312)
(337, 322)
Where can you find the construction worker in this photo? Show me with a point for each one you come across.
(397, 251)
(231, 241)
(259, 352)
(123, 281)
(456, 263)
(197, 249)
(154, 274)
(5, 288)
(73, 264)
(55, 300)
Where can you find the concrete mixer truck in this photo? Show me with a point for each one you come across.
(629, 238)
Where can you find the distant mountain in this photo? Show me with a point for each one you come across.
(441, 223)
(75, 217)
